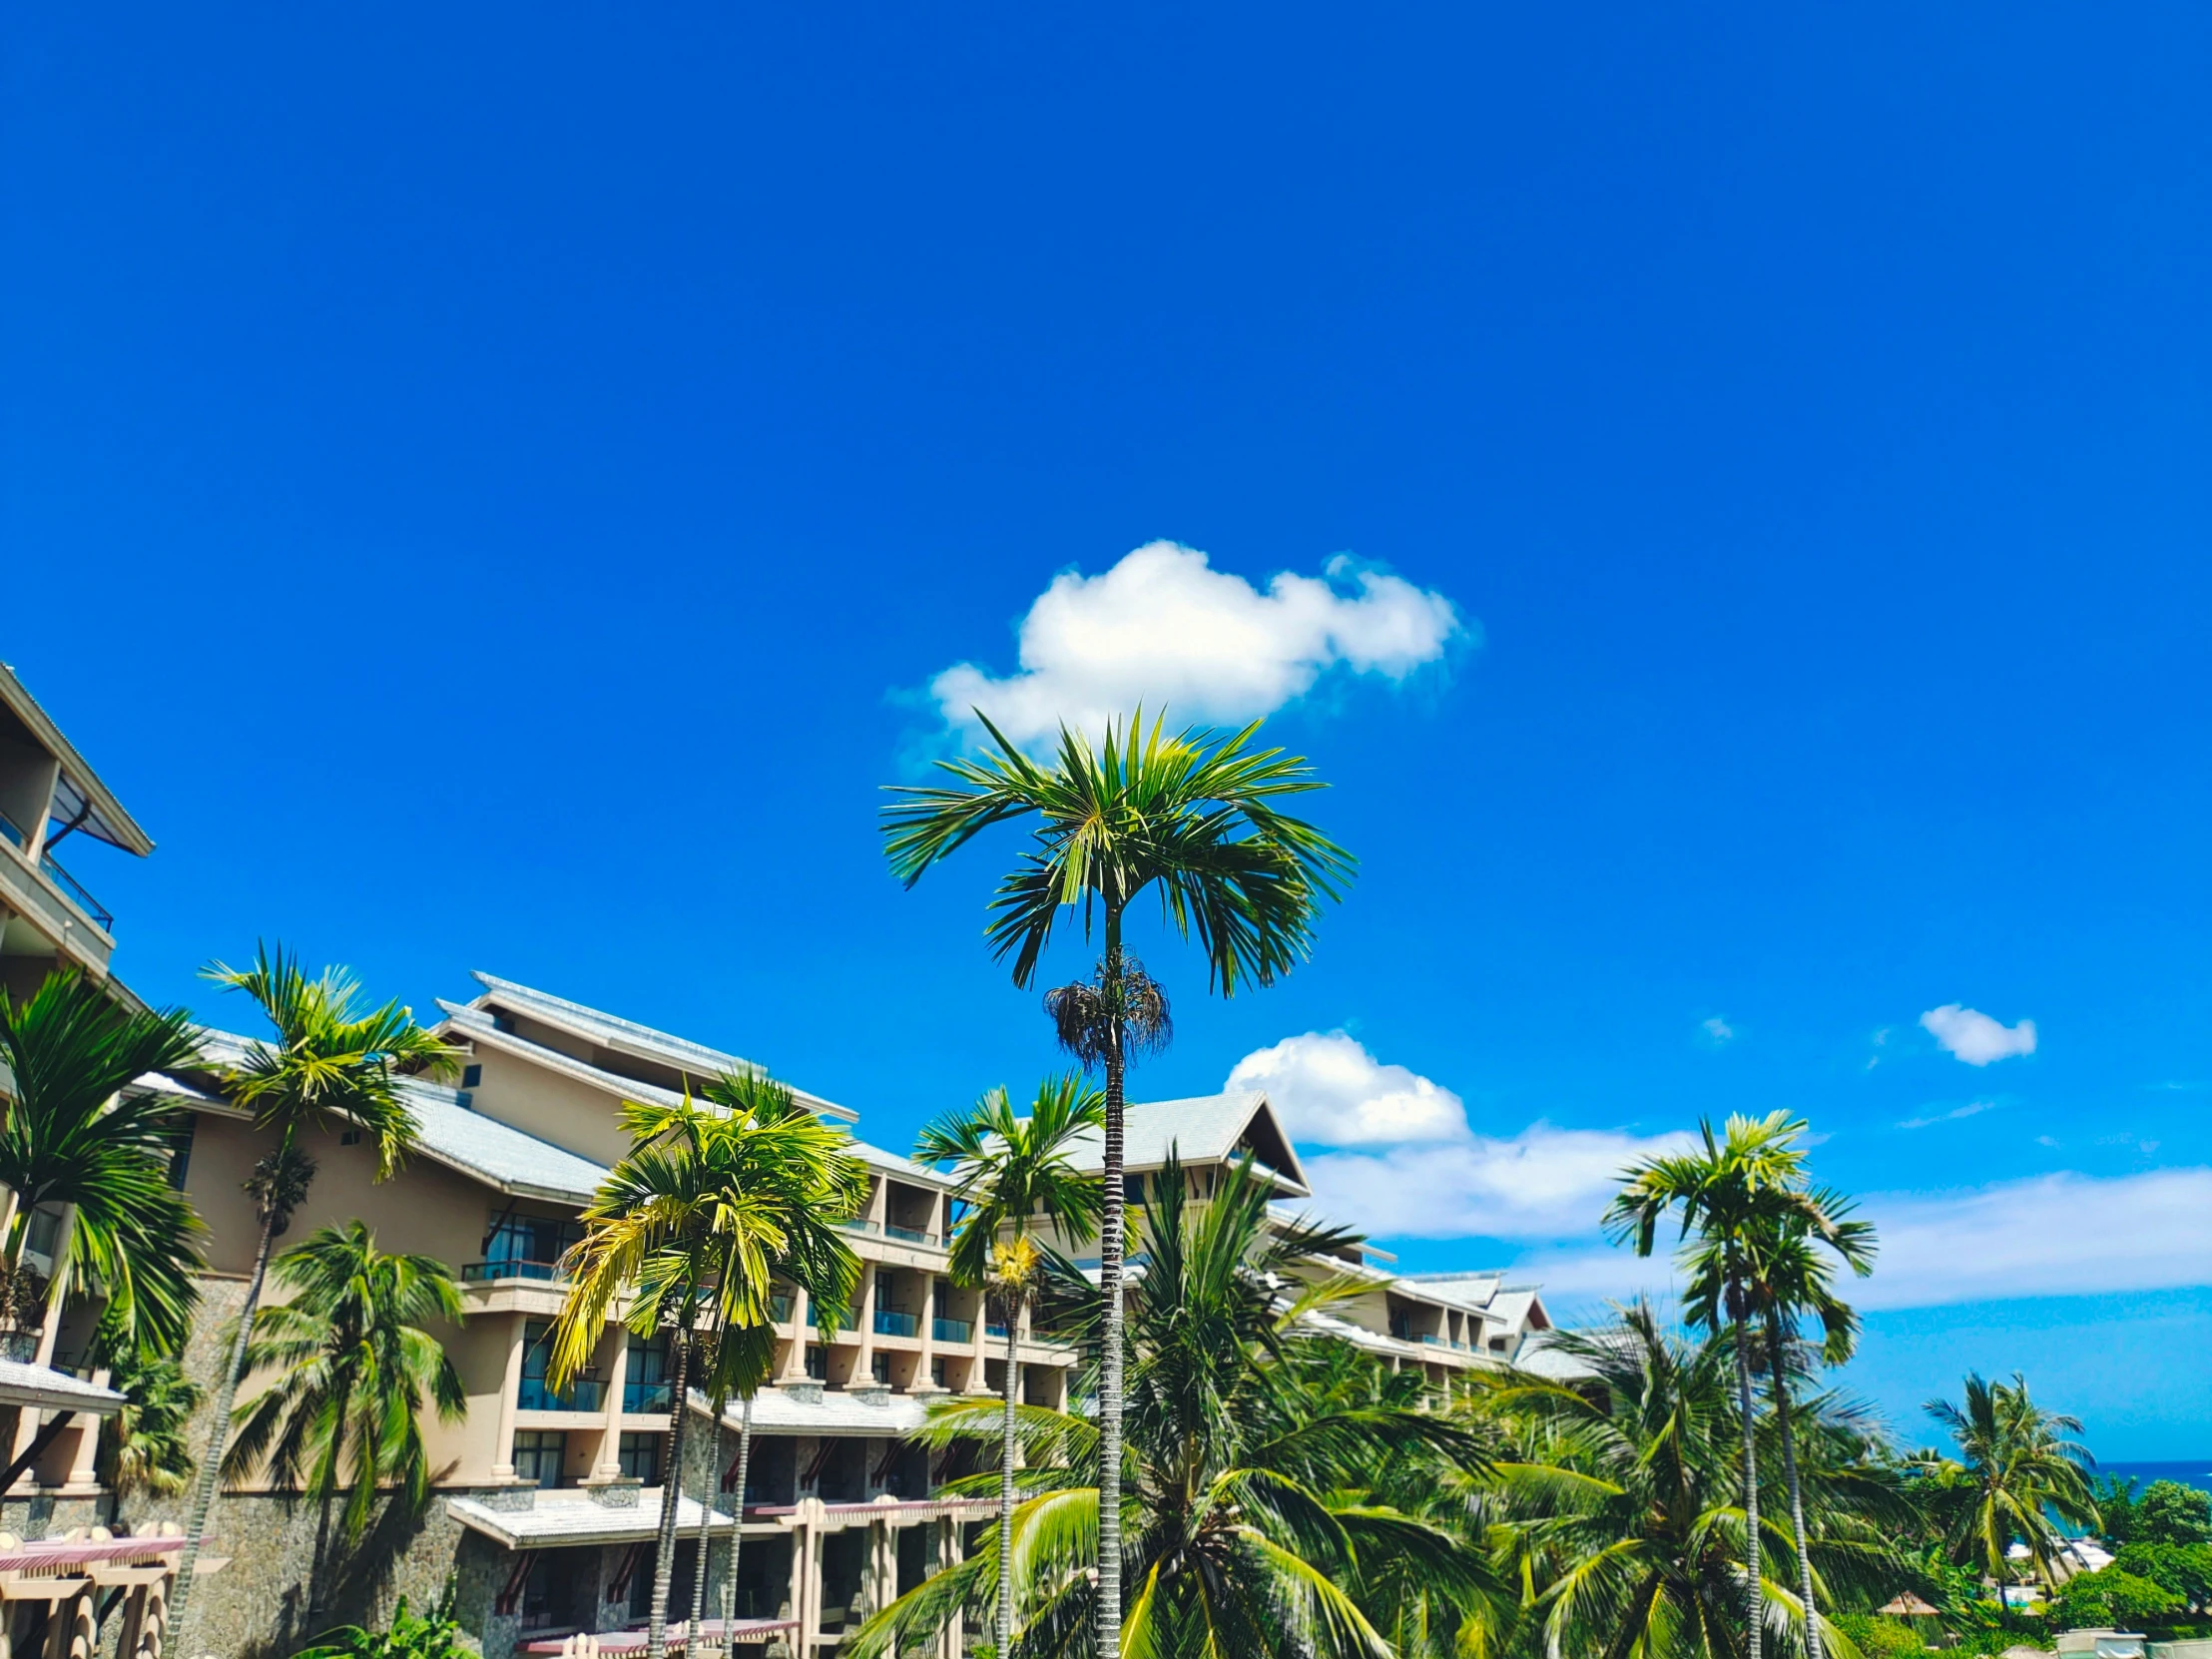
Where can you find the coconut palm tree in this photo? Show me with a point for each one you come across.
(329, 1064)
(1013, 1172)
(1617, 1509)
(1243, 1502)
(1789, 1279)
(79, 1136)
(353, 1362)
(2017, 1468)
(1724, 1192)
(713, 1204)
(1201, 828)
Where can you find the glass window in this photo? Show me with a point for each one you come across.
(881, 1365)
(818, 1362)
(640, 1456)
(645, 1378)
(530, 1241)
(936, 1373)
(540, 1456)
(180, 1152)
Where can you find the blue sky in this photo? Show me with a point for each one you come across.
(500, 488)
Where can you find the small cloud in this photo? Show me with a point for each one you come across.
(1163, 628)
(1974, 1037)
(1716, 1031)
(1331, 1091)
(2050, 1141)
(1971, 1109)
(2178, 1088)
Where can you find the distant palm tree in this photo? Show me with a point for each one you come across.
(1725, 1193)
(78, 1135)
(1247, 1523)
(1013, 1172)
(712, 1204)
(353, 1364)
(2018, 1466)
(1203, 827)
(329, 1065)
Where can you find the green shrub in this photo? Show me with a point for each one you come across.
(411, 1636)
(2111, 1596)
(2184, 1570)
(2167, 1512)
(1877, 1638)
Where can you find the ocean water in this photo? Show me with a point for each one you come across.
(2195, 1472)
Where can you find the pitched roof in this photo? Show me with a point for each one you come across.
(1204, 1129)
(626, 1036)
(79, 790)
(22, 1383)
(564, 1517)
(791, 1411)
(482, 1148)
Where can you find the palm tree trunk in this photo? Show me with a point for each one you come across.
(1110, 1236)
(737, 1538)
(219, 1435)
(1754, 1600)
(672, 1486)
(706, 1524)
(1797, 1492)
(1005, 1625)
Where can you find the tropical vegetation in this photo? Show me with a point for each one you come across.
(1196, 821)
(718, 1202)
(1013, 1173)
(352, 1358)
(331, 1064)
(432, 1635)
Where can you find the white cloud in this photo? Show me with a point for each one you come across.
(1717, 1030)
(1976, 1038)
(1543, 1183)
(1164, 628)
(2050, 1235)
(1330, 1091)
(1974, 1108)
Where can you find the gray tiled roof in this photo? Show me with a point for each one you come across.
(493, 1152)
(1201, 1129)
(566, 1517)
(786, 1411)
(27, 1384)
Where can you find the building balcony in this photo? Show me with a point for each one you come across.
(641, 1397)
(53, 901)
(893, 1232)
(951, 1331)
(890, 1323)
(511, 1268)
(998, 1330)
(536, 1394)
(779, 1310)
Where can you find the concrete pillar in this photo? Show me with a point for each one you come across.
(609, 1467)
(864, 1367)
(794, 1362)
(511, 1402)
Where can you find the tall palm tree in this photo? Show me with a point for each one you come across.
(79, 1136)
(1012, 1171)
(1724, 1192)
(2018, 1466)
(329, 1064)
(1248, 1526)
(353, 1364)
(1790, 1279)
(1202, 827)
(712, 1204)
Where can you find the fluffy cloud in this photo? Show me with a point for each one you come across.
(1976, 1038)
(1164, 628)
(1972, 1109)
(1717, 1030)
(1330, 1091)
(1543, 1183)
(2051, 1235)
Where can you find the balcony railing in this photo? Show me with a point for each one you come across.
(510, 1267)
(952, 1330)
(998, 1330)
(858, 1225)
(779, 1310)
(12, 833)
(911, 1235)
(641, 1395)
(890, 1323)
(538, 1395)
